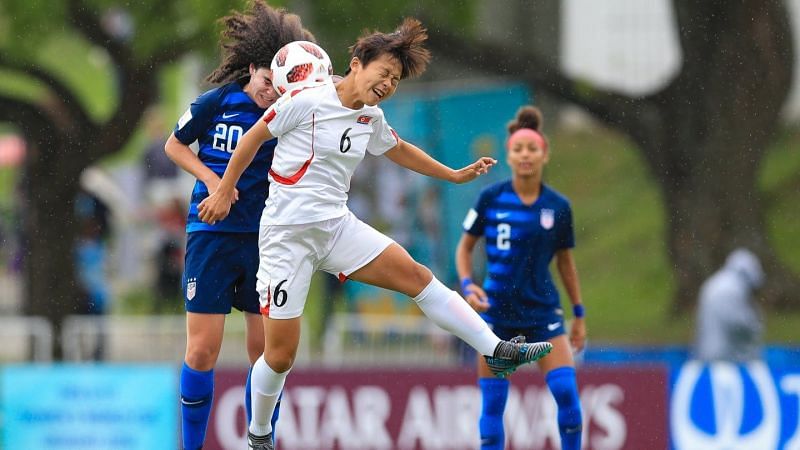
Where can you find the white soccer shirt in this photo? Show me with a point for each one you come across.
(320, 144)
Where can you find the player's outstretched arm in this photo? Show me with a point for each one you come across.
(414, 158)
(216, 206)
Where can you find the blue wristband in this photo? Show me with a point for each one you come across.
(578, 310)
(466, 281)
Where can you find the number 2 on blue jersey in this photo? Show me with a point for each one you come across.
(503, 236)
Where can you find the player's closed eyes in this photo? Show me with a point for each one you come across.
(387, 74)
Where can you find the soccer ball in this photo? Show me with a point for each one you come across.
(299, 64)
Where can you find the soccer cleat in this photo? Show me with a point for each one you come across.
(511, 354)
(259, 442)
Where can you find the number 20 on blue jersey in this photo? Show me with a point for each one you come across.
(226, 136)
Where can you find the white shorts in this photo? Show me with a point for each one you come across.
(290, 254)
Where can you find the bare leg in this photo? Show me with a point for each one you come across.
(203, 339)
(561, 356)
(254, 336)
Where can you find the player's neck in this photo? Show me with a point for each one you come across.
(348, 97)
(527, 187)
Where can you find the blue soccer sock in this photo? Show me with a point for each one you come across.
(248, 408)
(494, 392)
(564, 387)
(275, 414)
(197, 393)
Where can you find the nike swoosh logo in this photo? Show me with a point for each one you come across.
(228, 116)
(503, 215)
(553, 326)
(188, 403)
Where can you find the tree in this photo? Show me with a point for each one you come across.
(63, 136)
(702, 136)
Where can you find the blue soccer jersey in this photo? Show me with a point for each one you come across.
(216, 120)
(521, 241)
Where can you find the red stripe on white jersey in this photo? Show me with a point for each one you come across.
(293, 179)
(269, 116)
(394, 133)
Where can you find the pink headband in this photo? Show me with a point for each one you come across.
(530, 133)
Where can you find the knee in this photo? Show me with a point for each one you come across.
(280, 359)
(420, 275)
(201, 357)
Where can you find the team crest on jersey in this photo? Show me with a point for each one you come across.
(364, 120)
(191, 288)
(547, 218)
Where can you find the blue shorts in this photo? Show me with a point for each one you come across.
(546, 327)
(220, 272)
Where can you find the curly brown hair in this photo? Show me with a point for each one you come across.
(406, 44)
(253, 37)
(527, 117)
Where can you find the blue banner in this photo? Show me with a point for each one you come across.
(89, 407)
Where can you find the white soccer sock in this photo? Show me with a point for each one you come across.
(265, 389)
(450, 311)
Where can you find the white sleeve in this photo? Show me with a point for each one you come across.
(288, 112)
(383, 137)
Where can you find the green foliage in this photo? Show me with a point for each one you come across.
(20, 87)
(42, 34)
(155, 24)
(29, 24)
(618, 220)
(620, 232)
(780, 183)
(338, 23)
(90, 76)
(158, 24)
